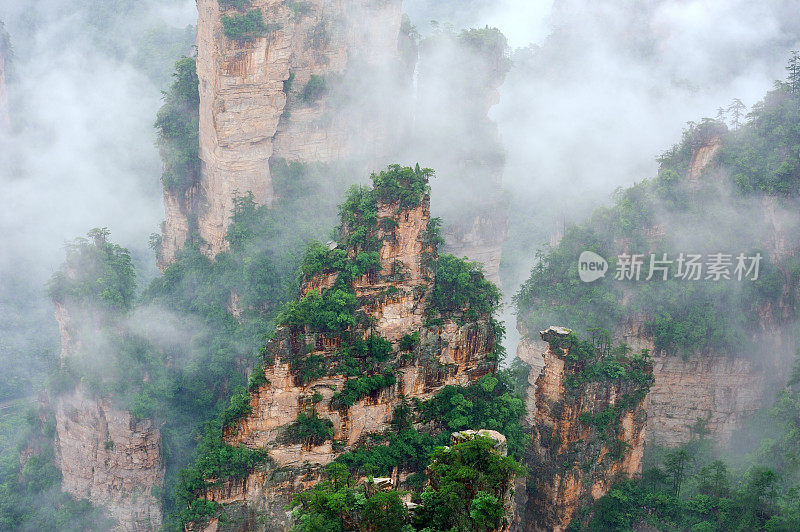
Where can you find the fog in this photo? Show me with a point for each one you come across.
(595, 91)
(80, 151)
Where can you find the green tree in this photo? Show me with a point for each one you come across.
(95, 272)
(793, 68)
(675, 466)
(737, 110)
(713, 480)
(178, 125)
(458, 476)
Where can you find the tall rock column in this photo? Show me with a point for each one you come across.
(588, 428)
(110, 458)
(294, 91)
(305, 369)
(105, 454)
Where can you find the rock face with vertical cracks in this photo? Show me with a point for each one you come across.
(455, 351)
(105, 454)
(709, 394)
(586, 431)
(256, 104)
(110, 458)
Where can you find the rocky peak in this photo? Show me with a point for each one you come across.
(589, 425)
(369, 330)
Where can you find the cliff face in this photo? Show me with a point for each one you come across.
(105, 454)
(396, 301)
(586, 432)
(256, 102)
(709, 395)
(111, 459)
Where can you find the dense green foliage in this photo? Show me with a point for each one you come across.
(489, 403)
(488, 40)
(310, 429)
(762, 154)
(238, 407)
(315, 89)
(403, 185)
(597, 360)
(554, 294)
(468, 484)
(461, 287)
(95, 273)
(356, 389)
(244, 27)
(217, 461)
(691, 488)
(337, 505)
(257, 378)
(408, 449)
(409, 341)
(333, 311)
(177, 123)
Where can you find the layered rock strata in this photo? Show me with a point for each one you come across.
(110, 458)
(295, 91)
